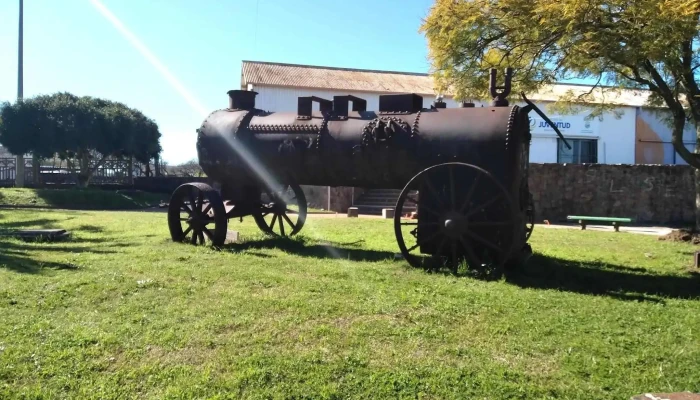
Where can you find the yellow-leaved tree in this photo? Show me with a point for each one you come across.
(620, 44)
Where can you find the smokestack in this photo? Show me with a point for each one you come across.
(241, 99)
(438, 103)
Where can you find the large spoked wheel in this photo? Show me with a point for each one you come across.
(465, 216)
(282, 211)
(196, 214)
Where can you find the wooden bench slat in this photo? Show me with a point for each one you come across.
(607, 219)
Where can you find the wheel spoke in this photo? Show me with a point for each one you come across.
(473, 259)
(470, 193)
(441, 247)
(272, 224)
(209, 234)
(206, 210)
(194, 237)
(484, 205)
(455, 262)
(193, 203)
(491, 223)
(186, 209)
(421, 223)
(435, 194)
(201, 237)
(419, 242)
(189, 228)
(414, 201)
(281, 225)
(482, 240)
(287, 210)
(200, 202)
(289, 221)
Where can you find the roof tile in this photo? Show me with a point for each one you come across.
(316, 77)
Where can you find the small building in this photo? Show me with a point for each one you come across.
(630, 134)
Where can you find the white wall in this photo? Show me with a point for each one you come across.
(616, 137)
(285, 99)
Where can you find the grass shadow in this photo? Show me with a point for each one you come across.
(90, 228)
(17, 256)
(49, 247)
(621, 282)
(308, 248)
(44, 223)
(22, 263)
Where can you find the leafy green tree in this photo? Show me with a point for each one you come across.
(85, 131)
(623, 44)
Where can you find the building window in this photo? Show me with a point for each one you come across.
(581, 151)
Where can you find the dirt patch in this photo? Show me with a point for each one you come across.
(682, 235)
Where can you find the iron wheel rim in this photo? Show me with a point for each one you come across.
(193, 208)
(460, 241)
(278, 212)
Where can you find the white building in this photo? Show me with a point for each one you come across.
(631, 134)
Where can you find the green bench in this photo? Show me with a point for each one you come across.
(582, 220)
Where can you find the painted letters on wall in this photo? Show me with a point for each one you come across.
(569, 125)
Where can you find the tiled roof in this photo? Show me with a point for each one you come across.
(307, 76)
(317, 77)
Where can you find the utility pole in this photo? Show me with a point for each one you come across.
(19, 162)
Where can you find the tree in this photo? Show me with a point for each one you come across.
(190, 169)
(85, 131)
(622, 44)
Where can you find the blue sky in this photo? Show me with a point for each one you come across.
(70, 46)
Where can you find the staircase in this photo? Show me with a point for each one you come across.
(373, 201)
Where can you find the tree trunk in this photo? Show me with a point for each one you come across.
(36, 170)
(697, 180)
(697, 200)
(156, 165)
(84, 174)
(130, 171)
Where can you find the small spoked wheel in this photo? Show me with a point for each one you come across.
(282, 211)
(196, 215)
(465, 217)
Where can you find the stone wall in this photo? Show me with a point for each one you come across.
(663, 194)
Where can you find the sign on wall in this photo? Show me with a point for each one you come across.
(574, 125)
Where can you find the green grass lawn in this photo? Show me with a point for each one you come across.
(122, 312)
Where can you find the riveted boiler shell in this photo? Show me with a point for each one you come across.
(235, 148)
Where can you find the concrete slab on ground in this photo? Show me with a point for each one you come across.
(642, 230)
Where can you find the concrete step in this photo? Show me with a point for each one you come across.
(377, 210)
(376, 201)
(373, 201)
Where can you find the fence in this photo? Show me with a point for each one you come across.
(112, 171)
